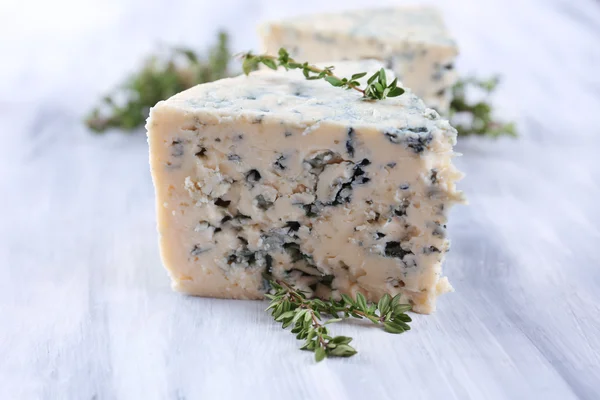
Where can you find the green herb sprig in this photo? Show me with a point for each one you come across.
(376, 89)
(128, 106)
(291, 307)
(479, 113)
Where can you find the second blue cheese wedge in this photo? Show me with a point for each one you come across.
(412, 41)
(271, 175)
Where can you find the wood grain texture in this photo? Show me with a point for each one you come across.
(86, 311)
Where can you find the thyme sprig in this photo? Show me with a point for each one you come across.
(160, 78)
(479, 114)
(376, 89)
(291, 307)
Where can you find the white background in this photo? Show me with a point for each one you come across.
(86, 311)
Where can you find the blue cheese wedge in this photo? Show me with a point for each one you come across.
(273, 175)
(412, 41)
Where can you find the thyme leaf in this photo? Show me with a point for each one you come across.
(291, 307)
(127, 107)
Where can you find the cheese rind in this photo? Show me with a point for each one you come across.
(412, 41)
(273, 174)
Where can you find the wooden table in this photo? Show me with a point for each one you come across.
(86, 311)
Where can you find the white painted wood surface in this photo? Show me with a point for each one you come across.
(86, 311)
